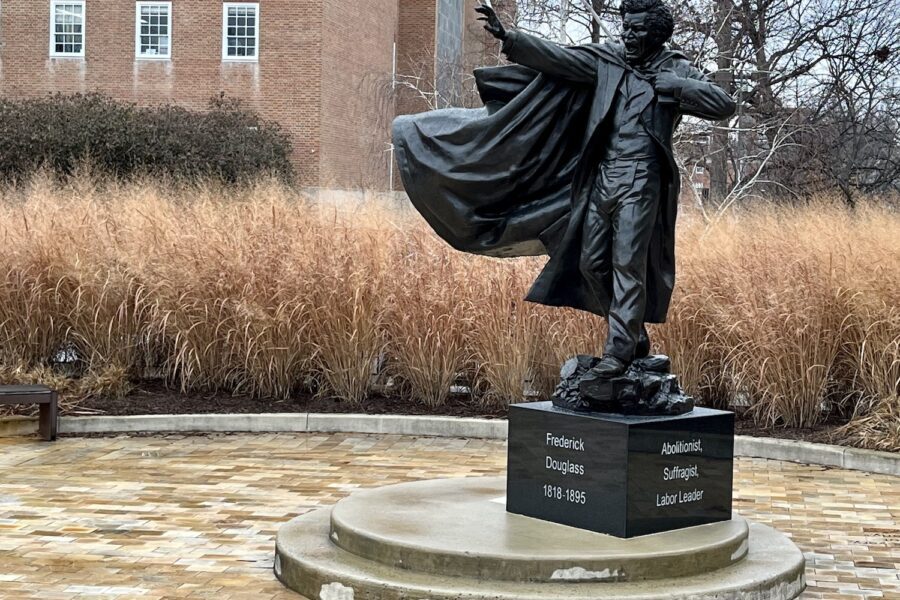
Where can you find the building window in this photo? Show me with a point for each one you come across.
(240, 31)
(153, 30)
(699, 170)
(67, 28)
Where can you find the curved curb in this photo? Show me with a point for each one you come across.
(886, 463)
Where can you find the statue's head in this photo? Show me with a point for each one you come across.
(646, 26)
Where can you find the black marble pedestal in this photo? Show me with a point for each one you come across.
(620, 475)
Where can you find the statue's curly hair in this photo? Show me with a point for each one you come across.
(659, 20)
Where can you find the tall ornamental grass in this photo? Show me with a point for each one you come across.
(792, 312)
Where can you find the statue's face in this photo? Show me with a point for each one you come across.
(637, 38)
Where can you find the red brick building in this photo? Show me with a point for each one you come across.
(325, 69)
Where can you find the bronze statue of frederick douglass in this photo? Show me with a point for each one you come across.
(571, 157)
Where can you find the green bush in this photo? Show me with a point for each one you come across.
(59, 132)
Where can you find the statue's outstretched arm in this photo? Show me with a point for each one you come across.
(699, 97)
(551, 59)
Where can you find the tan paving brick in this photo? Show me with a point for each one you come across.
(190, 517)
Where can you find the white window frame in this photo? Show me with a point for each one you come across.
(53, 52)
(699, 170)
(137, 31)
(225, 7)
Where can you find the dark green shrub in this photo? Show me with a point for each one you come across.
(229, 141)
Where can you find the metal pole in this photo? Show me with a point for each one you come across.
(394, 97)
(596, 17)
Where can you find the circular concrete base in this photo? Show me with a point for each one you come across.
(453, 539)
(460, 527)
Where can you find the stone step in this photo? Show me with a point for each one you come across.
(310, 564)
(460, 527)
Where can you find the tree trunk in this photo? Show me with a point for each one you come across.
(724, 78)
(596, 32)
(561, 35)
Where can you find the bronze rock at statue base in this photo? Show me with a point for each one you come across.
(647, 388)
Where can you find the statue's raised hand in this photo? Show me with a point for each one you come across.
(668, 83)
(492, 21)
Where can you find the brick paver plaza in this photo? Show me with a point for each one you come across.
(195, 517)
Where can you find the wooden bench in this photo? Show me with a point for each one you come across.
(35, 394)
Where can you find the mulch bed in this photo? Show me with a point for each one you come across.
(156, 399)
(824, 434)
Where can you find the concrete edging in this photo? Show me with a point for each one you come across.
(887, 463)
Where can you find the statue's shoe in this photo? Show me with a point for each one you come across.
(659, 363)
(609, 366)
(572, 403)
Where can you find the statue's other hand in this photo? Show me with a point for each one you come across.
(492, 21)
(667, 83)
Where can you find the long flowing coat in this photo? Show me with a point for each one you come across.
(514, 178)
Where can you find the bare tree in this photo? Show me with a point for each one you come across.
(848, 111)
(812, 77)
(817, 83)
